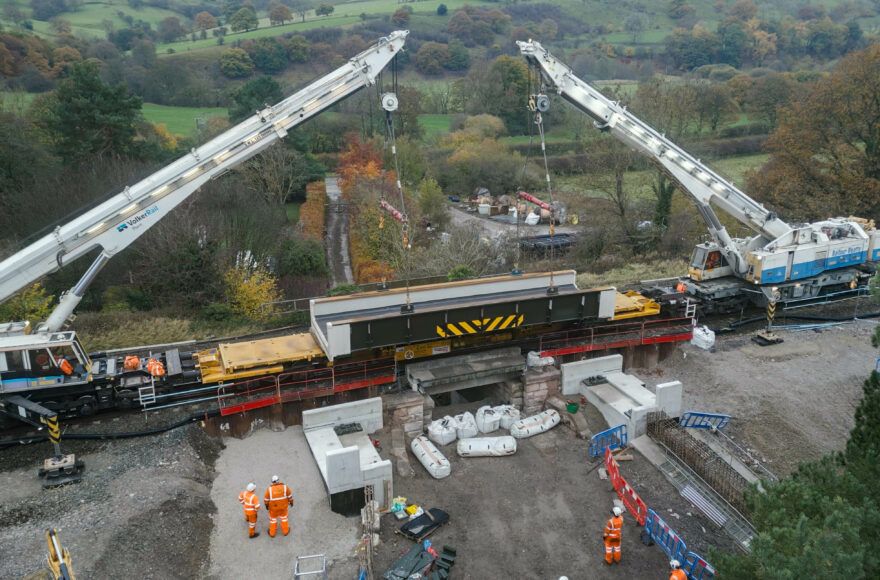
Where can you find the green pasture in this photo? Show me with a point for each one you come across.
(638, 183)
(180, 120)
(434, 124)
(15, 101)
(263, 32)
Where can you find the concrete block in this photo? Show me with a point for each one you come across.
(669, 398)
(367, 412)
(638, 421)
(343, 468)
(573, 373)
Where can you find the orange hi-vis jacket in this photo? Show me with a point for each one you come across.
(612, 528)
(278, 497)
(678, 575)
(250, 501)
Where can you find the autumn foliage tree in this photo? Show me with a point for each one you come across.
(247, 287)
(826, 148)
(311, 213)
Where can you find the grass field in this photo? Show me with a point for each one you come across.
(179, 120)
(15, 102)
(434, 124)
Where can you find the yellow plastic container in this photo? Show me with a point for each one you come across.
(412, 509)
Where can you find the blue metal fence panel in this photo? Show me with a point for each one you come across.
(697, 420)
(665, 537)
(613, 438)
(697, 568)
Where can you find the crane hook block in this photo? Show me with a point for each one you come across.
(389, 102)
(542, 103)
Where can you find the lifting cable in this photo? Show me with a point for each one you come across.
(391, 105)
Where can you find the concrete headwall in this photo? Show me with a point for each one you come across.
(575, 372)
(367, 412)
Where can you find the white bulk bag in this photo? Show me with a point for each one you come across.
(429, 456)
(535, 424)
(487, 419)
(442, 431)
(509, 415)
(465, 425)
(486, 446)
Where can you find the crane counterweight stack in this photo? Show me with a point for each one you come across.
(780, 261)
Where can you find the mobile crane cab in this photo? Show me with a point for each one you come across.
(40, 360)
(708, 262)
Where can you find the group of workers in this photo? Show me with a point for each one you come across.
(613, 528)
(277, 499)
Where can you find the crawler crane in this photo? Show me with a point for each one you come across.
(780, 262)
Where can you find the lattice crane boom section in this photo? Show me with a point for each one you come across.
(117, 222)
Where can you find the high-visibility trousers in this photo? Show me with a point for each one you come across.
(251, 518)
(276, 514)
(612, 550)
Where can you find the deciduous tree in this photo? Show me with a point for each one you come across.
(279, 14)
(170, 29)
(324, 9)
(235, 63)
(245, 19)
(826, 148)
(205, 21)
(298, 49)
(401, 17)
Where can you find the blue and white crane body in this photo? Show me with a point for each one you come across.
(780, 262)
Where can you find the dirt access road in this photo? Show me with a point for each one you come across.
(336, 238)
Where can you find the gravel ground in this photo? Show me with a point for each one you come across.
(790, 402)
(143, 508)
(314, 528)
(540, 513)
(165, 506)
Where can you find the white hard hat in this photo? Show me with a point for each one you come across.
(674, 564)
(274, 478)
(251, 486)
(616, 511)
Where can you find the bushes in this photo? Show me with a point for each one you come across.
(311, 213)
(301, 257)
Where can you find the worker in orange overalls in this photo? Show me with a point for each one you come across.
(278, 499)
(612, 535)
(251, 504)
(677, 572)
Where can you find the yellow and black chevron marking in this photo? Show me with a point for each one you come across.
(476, 326)
(54, 429)
(771, 312)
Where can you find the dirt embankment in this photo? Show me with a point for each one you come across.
(143, 508)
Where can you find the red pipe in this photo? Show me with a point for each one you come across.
(534, 200)
(397, 215)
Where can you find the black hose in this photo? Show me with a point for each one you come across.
(90, 436)
(739, 323)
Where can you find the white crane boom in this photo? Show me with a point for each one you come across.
(780, 262)
(117, 222)
(693, 177)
